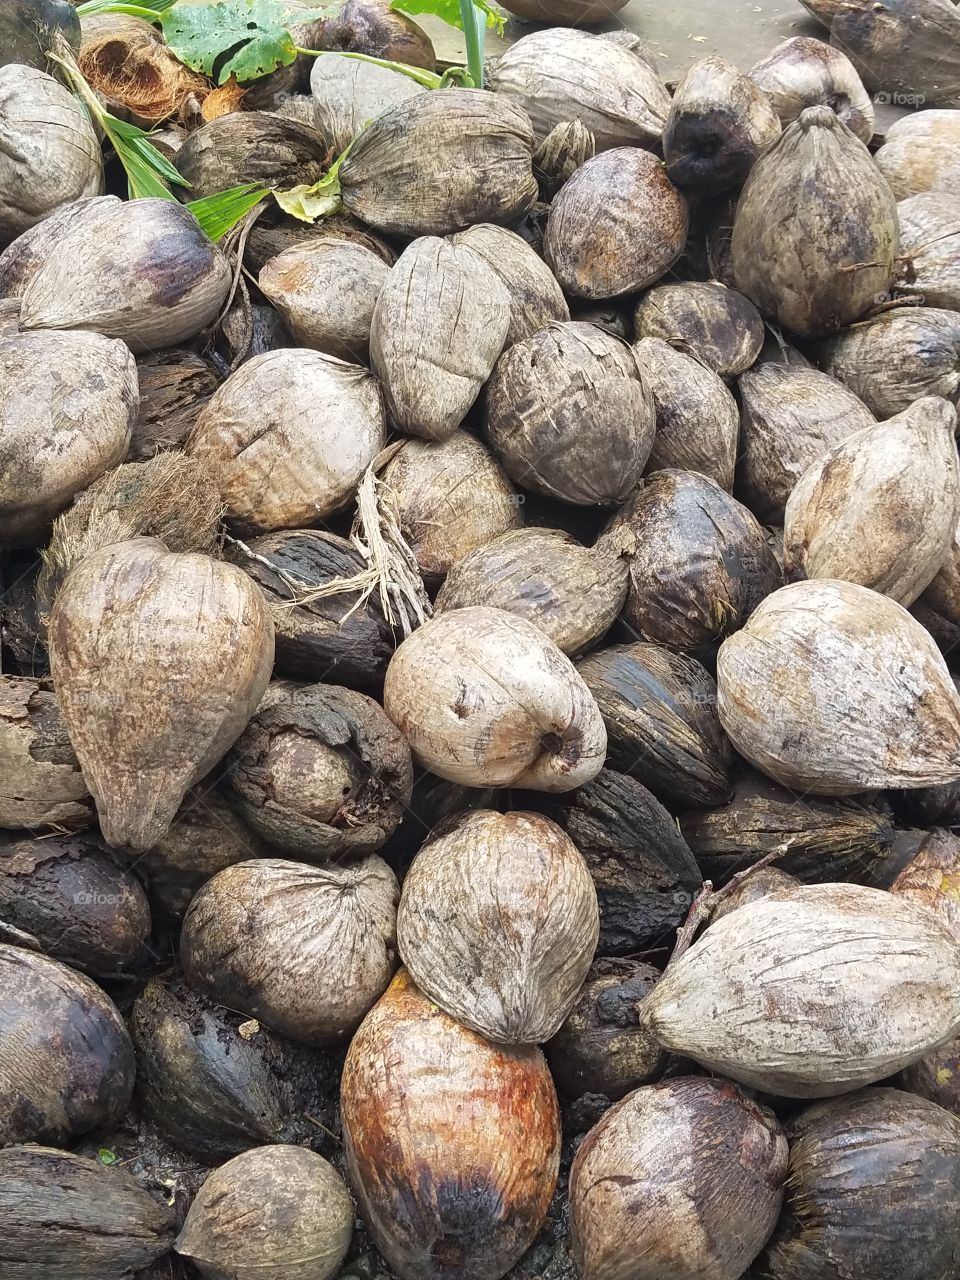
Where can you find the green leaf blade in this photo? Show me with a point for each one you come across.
(245, 38)
(449, 12)
(219, 214)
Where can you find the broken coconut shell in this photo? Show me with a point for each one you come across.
(40, 780)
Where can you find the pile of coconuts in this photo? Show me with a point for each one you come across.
(479, 713)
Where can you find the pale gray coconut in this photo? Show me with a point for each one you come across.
(802, 72)
(921, 152)
(805, 996)
(834, 689)
(881, 508)
(930, 248)
(349, 94)
(535, 296)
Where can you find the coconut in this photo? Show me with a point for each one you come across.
(897, 357)
(70, 898)
(535, 296)
(565, 13)
(66, 1062)
(870, 701)
(668, 1145)
(350, 94)
(69, 1218)
(498, 923)
(645, 875)
(820, 268)
(373, 28)
(660, 710)
(138, 78)
(802, 72)
(565, 148)
(326, 290)
(699, 561)
(289, 436)
(932, 877)
(791, 416)
(617, 226)
(803, 996)
(452, 497)
(717, 325)
(921, 152)
(930, 248)
(243, 943)
(942, 596)
(67, 406)
(270, 1207)
(839, 1210)
(266, 242)
(571, 592)
(40, 780)
(762, 882)
(826, 839)
(438, 1194)
(881, 508)
(936, 1077)
(158, 661)
(440, 322)
(719, 123)
(440, 162)
(601, 1047)
(486, 699)
(174, 387)
(28, 28)
(250, 146)
(907, 50)
(51, 153)
(698, 423)
(35, 245)
(569, 415)
(321, 772)
(320, 634)
(139, 270)
(215, 1085)
(559, 75)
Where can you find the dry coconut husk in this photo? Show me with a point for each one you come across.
(905, 49)
(560, 75)
(41, 785)
(565, 148)
(349, 94)
(719, 123)
(250, 146)
(51, 154)
(930, 248)
(126, 62)
(802, 72)
(791, 415)
(921, 152)
(565, 13)
(942, 596)
(535, 296)
(931, 877)
(698, 423)
(571, 592)
(667, 1144)
(373, 28)
(451, 496)
(897, 357)
(569, 415)
(834, 689)
(617, 225)
(266, 242)
(440, 162)
(801, 995)
(172, 497)
(439, 324)
(881, 508)
(815, 233)
(174, 387)
(717, 325)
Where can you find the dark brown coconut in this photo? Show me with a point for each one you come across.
(66, 1061)
(699, 561)
(40, 780)
(69, 1218)
(71, 898)
(569, 415)
(718, 325)
(174, 387)
(216, 1084)
(250, 146)
(719, 123)
(936, 1077)
(322, 772)
(601, 1047)
(617, 226)
(857, 1165)
(660, 709)
(711, 1159)
(906, 50)
(829, 839)
(266, 242)
(373, 28)
(333, 637)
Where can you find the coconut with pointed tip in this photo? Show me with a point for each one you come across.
(802, 72)
(815, 234)
(486, 699)
(717, 325)
(158, 661)
(831, 688)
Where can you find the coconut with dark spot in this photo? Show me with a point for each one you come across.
(717, 325)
